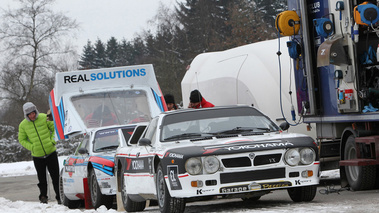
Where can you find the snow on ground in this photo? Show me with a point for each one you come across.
(27, 168)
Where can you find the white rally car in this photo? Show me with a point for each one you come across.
(93, 159)
(194, 154)
(92, 106)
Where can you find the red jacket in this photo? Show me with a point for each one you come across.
(204, 104)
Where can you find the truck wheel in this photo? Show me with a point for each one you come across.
(97, 198)
(359, 177)
(167, 203)
(130, 205)
(300, 194)
(71, 204)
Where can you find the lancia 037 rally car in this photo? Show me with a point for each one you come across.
(224, 152)
(92, 106)
(93, 159)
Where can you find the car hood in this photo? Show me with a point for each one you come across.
(239, 144)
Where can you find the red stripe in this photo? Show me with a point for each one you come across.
(133, 175)
(57, 119)
(162, 99)
(102, 161)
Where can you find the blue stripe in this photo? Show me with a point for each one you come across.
(107, 170)
(158, 100)
(51, 107)
(61, 115)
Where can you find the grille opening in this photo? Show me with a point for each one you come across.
(267, 159)
(236, 162)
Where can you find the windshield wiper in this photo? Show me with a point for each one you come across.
(183, 136)
(113, 147)
(240, 130)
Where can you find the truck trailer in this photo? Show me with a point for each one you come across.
(333, 45)
(332, 81)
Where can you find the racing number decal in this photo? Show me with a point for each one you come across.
(172, 173)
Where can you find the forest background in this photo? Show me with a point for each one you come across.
(32, 36)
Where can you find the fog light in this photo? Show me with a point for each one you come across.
(197, 183)
(307, 173)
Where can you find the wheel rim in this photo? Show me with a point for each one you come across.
(94, 188)
(353, 170)
(161, 188)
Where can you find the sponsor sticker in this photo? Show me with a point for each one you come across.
(172, 173)
(255, 186)
(69, 168)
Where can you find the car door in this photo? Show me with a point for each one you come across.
(139, 170)
(75, 169)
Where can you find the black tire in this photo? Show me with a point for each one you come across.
(71, 204)
(302, 194)
(130, 205)
(97, 198)
(358, 177)
(167, 203)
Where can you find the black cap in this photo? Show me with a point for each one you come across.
(169, 99)
(195, 96)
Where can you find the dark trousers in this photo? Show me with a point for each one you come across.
(52, 164)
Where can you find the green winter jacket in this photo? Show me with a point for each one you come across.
(37, 136)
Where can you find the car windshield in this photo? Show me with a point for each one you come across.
(112, 108)
(199, 124)
(106, 139)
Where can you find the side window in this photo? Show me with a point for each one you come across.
(151, 130)
(84, 143)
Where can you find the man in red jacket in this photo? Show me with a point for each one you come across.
(197, 101)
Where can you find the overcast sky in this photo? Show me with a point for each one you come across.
(105, 18)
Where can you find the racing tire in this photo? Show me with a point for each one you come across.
(167, 203)
(71, 204)
(358, 177)
(129, 204)
(302, 194)
(97, 198)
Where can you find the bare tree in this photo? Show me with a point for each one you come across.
(31, 38)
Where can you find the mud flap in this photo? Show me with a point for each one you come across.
(87, 195)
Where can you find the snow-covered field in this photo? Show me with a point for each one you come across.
(27, 168)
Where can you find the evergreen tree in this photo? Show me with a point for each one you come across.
(270, 9)
(87, 59)
(99, 55)
(247, 26)
(125, 53)
(112, 52)
(203, 24)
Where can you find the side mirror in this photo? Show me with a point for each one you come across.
(284, 126)
(83, 151)
(144, 142)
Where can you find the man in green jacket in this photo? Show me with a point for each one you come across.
(36, 134)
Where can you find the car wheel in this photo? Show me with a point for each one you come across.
(97, 198)
(71, 204)
(167, 203)
(130, 205)
(359, 177)
(300, 194)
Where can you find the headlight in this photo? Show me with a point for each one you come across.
(193, 166)
(211, 164)
(292, 157)
(307, 156)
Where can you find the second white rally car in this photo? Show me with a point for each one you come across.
(223, 152)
